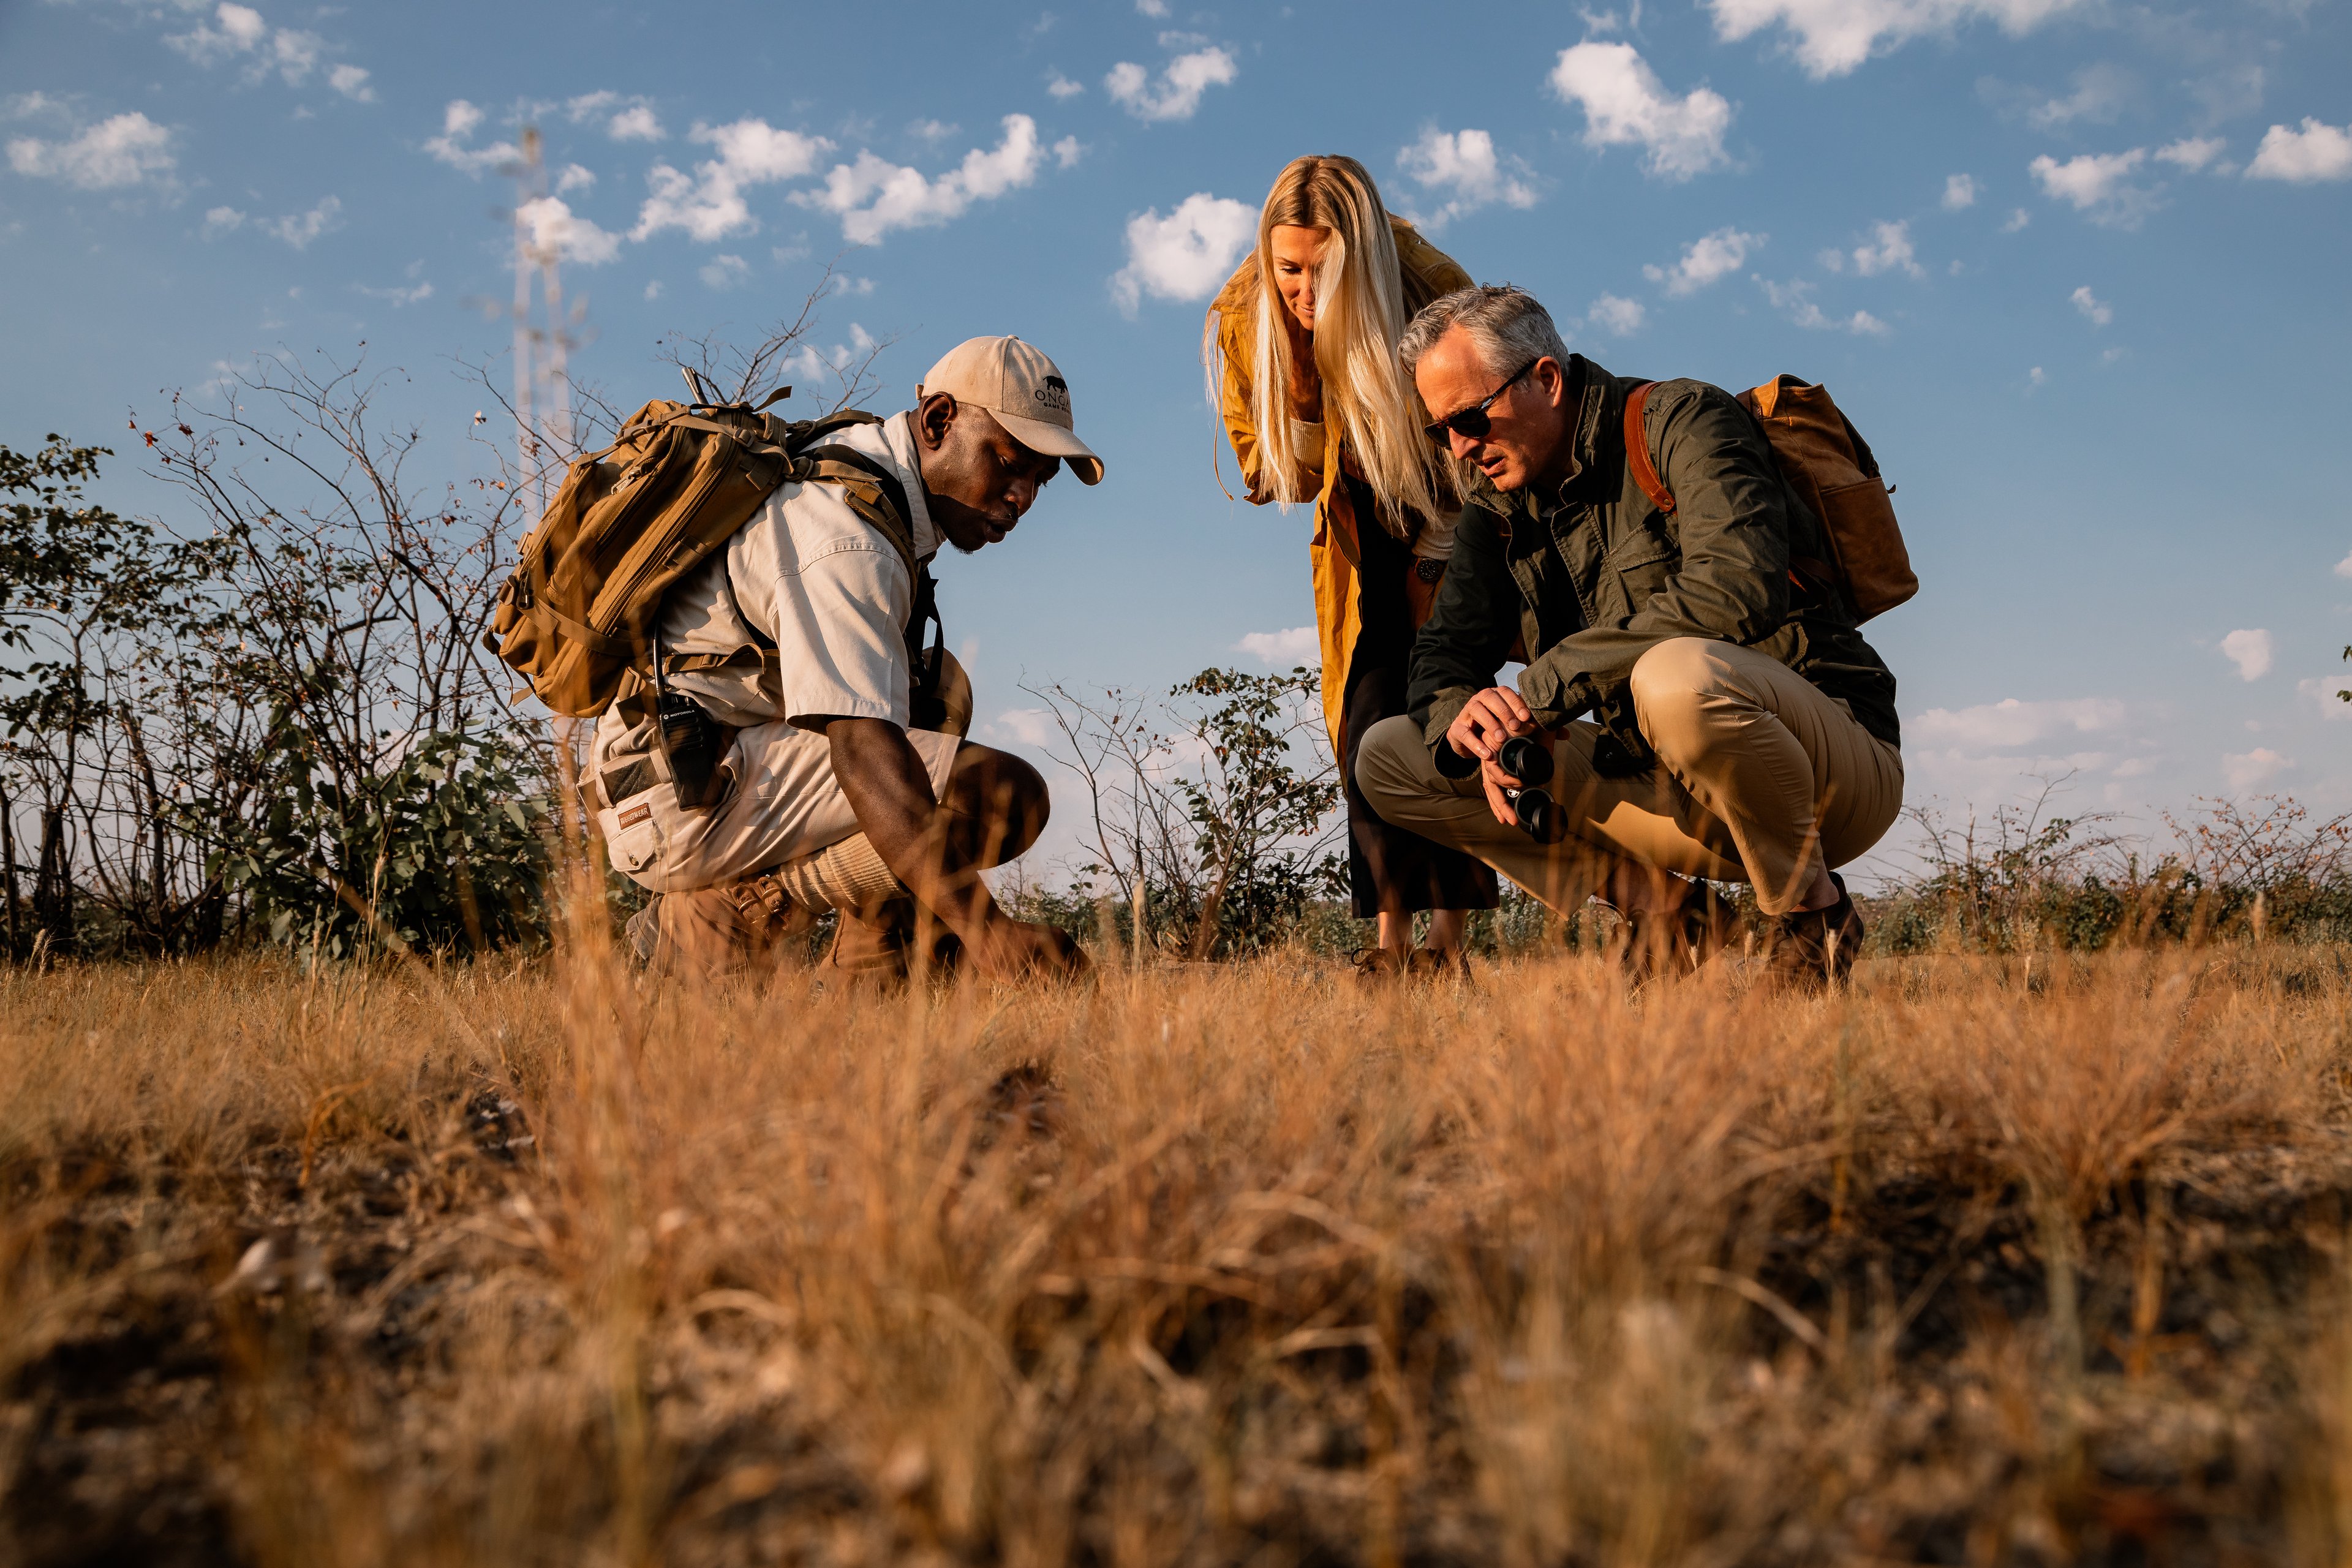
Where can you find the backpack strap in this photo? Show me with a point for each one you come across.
(1807, 575)
(1637, 449)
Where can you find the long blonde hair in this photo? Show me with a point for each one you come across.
(1370, 406)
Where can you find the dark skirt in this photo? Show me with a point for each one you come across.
(1416, 873)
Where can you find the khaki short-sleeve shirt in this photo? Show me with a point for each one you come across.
(821, 585)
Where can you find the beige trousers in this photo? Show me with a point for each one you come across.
(1759, 777)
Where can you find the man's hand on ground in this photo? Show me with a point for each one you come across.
(929, 849)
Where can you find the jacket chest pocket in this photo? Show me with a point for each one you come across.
(1639, 565)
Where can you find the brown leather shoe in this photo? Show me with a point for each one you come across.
(1814, 950)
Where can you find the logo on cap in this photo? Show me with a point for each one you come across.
(1054, 394)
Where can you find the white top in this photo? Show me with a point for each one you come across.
(823, 584)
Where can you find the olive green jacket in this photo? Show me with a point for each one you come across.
(1620, 578)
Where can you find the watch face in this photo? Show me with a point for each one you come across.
(1428, 571)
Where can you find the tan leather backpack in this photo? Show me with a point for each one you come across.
(578, 614)
(1830, 468)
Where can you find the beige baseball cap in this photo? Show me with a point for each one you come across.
(1018, 384)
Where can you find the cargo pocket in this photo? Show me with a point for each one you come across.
(633, 837)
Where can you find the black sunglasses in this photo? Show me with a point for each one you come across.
(1471, 422)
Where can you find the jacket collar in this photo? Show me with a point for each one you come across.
(1596, 389)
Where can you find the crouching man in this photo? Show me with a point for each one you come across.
(1742, 729)
(838, 778)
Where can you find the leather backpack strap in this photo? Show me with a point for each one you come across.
(1637, 449)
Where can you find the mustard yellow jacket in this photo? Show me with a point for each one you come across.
(1427, 273)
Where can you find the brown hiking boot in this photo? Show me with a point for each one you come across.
(1814, 950)
(881, 948)
(1375, 965)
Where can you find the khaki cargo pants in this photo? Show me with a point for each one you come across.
(1759, 775)
(781, 846)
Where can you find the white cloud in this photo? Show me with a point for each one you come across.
(872, 197)
(2317, 151)
(397, 297)
(813, 363)
(292, 53)
(1625, 103)
(1187, 254)
(724, 271)
(2008, 751)
(1181, 83)
(1068, 151)
(1463, 166)
(241, 31)
(1152, 7)
(2017, 219)
(1889, 252)
(932, 130)
(2344, 567)
(556, 230)
(1614, 314)
(2095, 311)
(635, 123)
(710, 204)
(653, 290)
(2035, 377)
(626, 119)
(1959, 191)
(2191, 152)
(2014, 725)
(574, 178)
(1283, 649)
(1030, 726)
(2250, 650)
(295, 54)
(1060, 86)
(33, 105)
(1833, 37)
(1707, 260)
(2099, 185)
(224, 220)
(299, 229)
(1797, 300)
(120, 151)
(459, 120)
(2246, 770)
(2326, 690)
(2100, 91)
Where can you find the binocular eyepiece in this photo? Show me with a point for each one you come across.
(1526, 759)
(1529, 760)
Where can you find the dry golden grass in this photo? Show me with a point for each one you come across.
(544, 1265)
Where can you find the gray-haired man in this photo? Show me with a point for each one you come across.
(1743, 729)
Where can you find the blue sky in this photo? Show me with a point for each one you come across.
(2078, 269)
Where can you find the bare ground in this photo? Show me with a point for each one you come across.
(544, 1265)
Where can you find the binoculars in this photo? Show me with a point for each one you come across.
(1529, 760)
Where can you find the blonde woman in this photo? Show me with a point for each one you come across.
(1301, 350)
